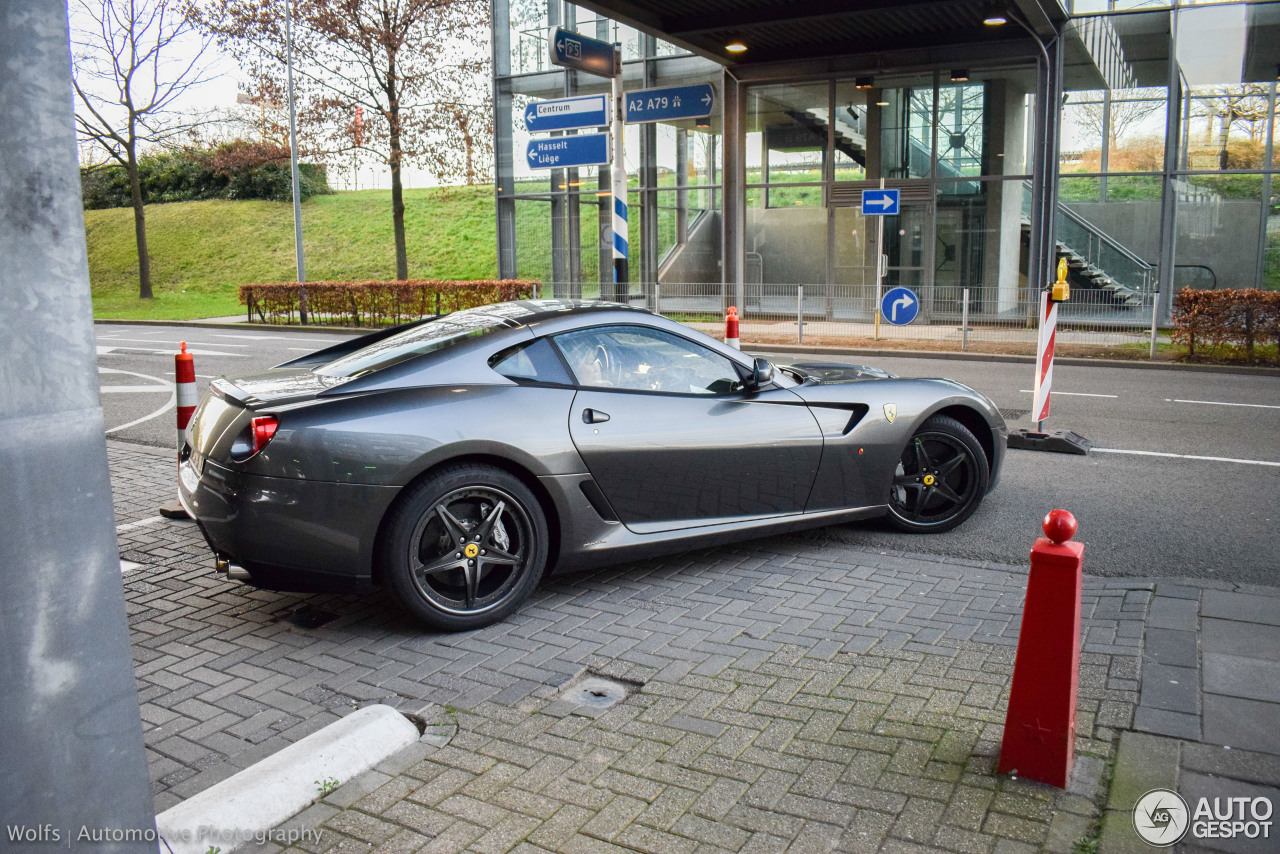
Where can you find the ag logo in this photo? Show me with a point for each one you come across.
(1161, 817)
(891, 412)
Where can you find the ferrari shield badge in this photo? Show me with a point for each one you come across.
(891, 412)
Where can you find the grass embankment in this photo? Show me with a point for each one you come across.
(201, 252)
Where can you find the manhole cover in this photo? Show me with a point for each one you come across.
(595, 692)
(308, 617)
(1015, 414)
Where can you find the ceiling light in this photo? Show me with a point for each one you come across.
(993, 15)
(882, 103)
(735, 46)
(864, 82)
(959, 75)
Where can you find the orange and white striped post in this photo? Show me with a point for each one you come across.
(184, 372)
(1049, 300)
(184, 376)
(731, 328)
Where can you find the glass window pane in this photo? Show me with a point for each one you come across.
(853, 105)
(1218, 222)
(1112, 224)
(529, 51)
(904, 118)
(979, 246)
(786, 133)
(639, 359)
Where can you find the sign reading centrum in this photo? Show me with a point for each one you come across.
(564, 152)
(589, 111)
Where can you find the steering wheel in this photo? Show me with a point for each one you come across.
(610, 370)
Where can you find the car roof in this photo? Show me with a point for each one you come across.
(532, 311)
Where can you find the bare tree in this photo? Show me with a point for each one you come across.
(133, 61)
(1125, 113)
(412, 65)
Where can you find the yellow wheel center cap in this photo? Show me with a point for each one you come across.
(471, 550)
(928, 480)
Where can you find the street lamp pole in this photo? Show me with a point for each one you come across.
(293, 162)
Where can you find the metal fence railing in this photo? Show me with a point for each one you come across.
(949, 317)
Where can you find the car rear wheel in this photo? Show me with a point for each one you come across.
(940, 479)
(465, 547)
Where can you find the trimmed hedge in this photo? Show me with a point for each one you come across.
(1222, 323)
(376, 303)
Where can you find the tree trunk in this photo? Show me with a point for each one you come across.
(139, 228)
(397, 210)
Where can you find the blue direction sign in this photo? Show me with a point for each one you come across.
(576, 51)
(563, 152)
(670, 103)
(880, 203)
(900, 305)
(590, 111)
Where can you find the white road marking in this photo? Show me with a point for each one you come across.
(273, 337)
(1187, 457)
(1072, 393)
(1223, 403)
(130, 389)
(169, 404)
(176, 344)
(128, 566)
(133, 351)
(141, 523)
(305, 349)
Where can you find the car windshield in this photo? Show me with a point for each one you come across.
(420, 340)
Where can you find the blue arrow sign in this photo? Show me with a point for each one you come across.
(900, 305)
(670, 103)
(563, 152)
(880, 203)
(576, 51)
(590, 111)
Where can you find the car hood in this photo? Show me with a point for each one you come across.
(832, 373)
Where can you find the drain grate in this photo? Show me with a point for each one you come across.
(1014, 414)
(308, 617)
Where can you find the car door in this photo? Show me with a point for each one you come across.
(674, 440)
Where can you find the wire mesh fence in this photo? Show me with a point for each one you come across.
(946, 317)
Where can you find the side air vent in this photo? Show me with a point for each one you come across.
(597, 500)
(857, 414)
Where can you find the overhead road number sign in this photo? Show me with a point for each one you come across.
(880, 203)
(670, 103)
(564, 152)
(581, 53)
(899, 306)
(589, 111)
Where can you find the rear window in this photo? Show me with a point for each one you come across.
(427, 338)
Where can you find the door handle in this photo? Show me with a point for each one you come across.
(594, 416)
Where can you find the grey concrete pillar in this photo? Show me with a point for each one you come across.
(72, 748)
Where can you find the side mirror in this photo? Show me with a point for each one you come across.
(761, 373)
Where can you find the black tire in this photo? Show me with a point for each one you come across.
(465, 547)
(940, 479)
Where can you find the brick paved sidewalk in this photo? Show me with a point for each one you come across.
(784, 695)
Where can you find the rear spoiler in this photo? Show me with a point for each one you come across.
(337, 351)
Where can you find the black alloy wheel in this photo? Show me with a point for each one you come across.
(940, 479)
(465, 547)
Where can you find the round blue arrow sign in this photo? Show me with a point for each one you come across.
(900, 306)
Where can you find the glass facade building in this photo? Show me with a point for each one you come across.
(1158, 161)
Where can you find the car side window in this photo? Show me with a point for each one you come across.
(532, 362)
(641, 359)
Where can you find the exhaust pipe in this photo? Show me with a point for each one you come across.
(231, 571)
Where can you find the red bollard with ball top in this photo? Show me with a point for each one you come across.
(731, 328)
(1040, 727)
(184, 376)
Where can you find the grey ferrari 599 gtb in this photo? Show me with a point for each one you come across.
(457, 458)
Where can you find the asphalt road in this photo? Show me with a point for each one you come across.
(1154, 510)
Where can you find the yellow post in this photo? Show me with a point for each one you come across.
(877, 333)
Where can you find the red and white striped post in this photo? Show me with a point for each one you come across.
(1044, 359)
(184, 376)
(731, 328)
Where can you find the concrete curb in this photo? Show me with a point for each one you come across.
(246, 806)
(945, 355)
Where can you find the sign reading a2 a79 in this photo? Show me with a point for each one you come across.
(670, 103)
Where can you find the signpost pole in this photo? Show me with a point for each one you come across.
(618, 183)
(880, 264)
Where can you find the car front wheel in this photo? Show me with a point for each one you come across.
(465, 547)
(940, 479)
